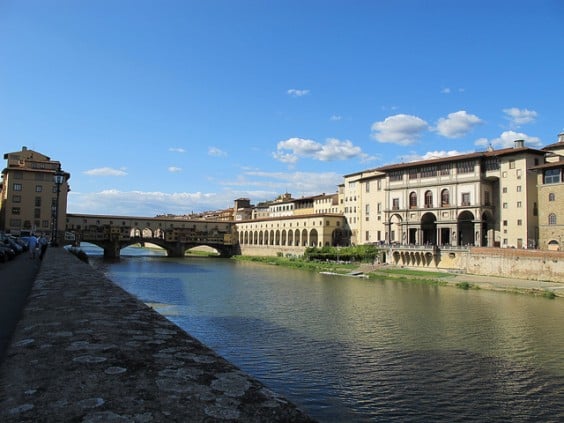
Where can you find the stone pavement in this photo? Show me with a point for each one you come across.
(87, 351)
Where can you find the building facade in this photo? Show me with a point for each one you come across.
(29, 194)
(550, 181)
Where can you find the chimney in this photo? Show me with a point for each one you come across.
(24, 148)
(519, 144)
(561, 137)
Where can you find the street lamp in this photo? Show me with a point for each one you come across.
(59, 178)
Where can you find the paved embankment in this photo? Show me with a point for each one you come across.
(85, 350)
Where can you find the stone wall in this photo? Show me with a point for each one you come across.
(522, 264)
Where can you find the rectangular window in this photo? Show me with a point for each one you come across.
(395, 204)
(445, 170)
(396, 176)
(465, 198)
(38, 188)
(504, 174)
(392, 236)
(519, 204)
(518, 188)
(552, 176)
(379, 208)
(379, 184)
(367, 186)
(17, 187)
(487, 200)
(429, 172)
(511, 164)
(519, 173)
(379, 235)
(505, 223)
(16, 223)
(504, 241)
(367, 236)
(505, 190)
(465, 166)
(37, 213)
(16, 210)
(37, 201)
(367, 209)
(504, 205)
(16, 198)
(413, 173)
(44, 223)
(519, 222)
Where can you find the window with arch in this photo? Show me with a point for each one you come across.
(552, 219)
(412, 200)
(428, 199)
(445, 197)
(551, 196)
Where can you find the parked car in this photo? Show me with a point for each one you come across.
(7, 253)
(10, 242)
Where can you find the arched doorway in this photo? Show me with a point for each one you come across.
(487, 230)
(429, 228)
(313, 238)
(466, 228)
(395, 228)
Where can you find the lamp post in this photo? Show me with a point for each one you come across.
(58, 178)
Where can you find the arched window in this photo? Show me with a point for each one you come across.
(551, 197)
(412, 200)
(552, 219)
(428, 199)
(445, 198)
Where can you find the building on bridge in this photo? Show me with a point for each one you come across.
(29, 194)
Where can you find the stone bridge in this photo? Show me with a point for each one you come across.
(176, 236)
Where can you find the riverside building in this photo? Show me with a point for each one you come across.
(479, 199)
(29, 194)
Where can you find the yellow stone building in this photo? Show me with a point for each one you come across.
(479, 199)
(551, 197)
(29, 194)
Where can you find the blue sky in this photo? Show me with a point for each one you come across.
(179, 106)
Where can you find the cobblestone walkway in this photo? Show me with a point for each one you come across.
(85, 350)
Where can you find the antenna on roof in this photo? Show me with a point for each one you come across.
(490, 147)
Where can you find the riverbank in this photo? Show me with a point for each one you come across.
(458, 280)
(85, 350)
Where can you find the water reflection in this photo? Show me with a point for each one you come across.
(360, 350)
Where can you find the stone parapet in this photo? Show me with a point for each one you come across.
(86, 350)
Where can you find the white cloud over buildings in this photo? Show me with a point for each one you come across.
(518, 117)
(399, 129)
(507, 139)
(457, 124)
(293, 149)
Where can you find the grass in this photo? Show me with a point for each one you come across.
(298, 263)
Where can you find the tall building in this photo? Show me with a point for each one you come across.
(479, 199)
(29, 194)
(551, 197)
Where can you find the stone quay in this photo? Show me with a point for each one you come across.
(85, 350)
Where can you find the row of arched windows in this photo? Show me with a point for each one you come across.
(428, 197)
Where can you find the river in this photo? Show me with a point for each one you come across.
(347, 349)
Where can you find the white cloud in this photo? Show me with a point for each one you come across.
(414, 157)
(399, 129)
(105, 171)
(445, 91)
(332, 150)
(174, 169)
(177, 150)
(336, 117)
(216, 152)
(141, 203)
(507, 139)
(457, 124)
(518, 117)
(297, 93)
